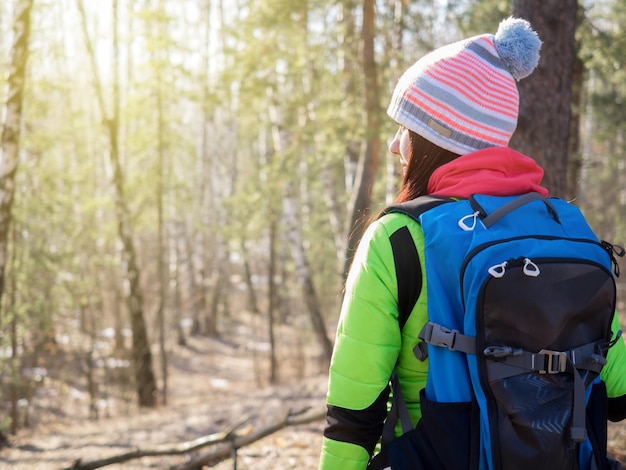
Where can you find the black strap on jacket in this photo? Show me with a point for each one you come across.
(405, 257)
(408, 272)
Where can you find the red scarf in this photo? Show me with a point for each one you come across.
(497, 171)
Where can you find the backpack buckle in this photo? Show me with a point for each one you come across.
(454, 340)
(554, 362)
(433, 333)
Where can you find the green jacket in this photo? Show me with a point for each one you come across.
(369, 344)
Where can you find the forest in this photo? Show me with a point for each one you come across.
(183, 184)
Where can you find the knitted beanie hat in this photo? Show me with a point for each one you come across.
(463, 96)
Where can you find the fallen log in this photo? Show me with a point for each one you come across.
(164, 449)
(227, 451)
(231, 439)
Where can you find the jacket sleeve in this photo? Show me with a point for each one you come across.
(614, 375)
(366, 349)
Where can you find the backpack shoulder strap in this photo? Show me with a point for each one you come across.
(406, 259)
(416, 207)
(409, 278)
(408, 272)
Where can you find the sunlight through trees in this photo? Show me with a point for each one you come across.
(169, 168)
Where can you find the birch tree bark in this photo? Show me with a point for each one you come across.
(304, 274)
(15, 364)
(296, 241)
(162, 250)
(145, 381)
(272, 294)
(12, 127)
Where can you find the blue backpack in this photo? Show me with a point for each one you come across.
(521, 297)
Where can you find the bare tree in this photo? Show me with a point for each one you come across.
(304, 274)
(14, 393)
(142, 356)
(296, 240)
(396, 64)
(8, 170)
(162, 250)
(12, 127)
(272, 294)
(369, 161)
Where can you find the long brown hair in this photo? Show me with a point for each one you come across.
(425, 158)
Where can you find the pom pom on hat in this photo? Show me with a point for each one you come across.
(463, 97)
(518, 46)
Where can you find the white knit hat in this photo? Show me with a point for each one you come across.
(463, 96)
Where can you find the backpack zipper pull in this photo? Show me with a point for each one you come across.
(464, 225)
(613, 250)
(530, 268)
(498, 270)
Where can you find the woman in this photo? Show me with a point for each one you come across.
(456, 109)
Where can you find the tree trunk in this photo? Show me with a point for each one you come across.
(334, 218)
(544, 126)
(575, 150)
(12, 127)
(8, 169)
(360, 207)
(396, 64)
(162, 266)
(221, 274)
(161, 251)
(205, 243)
(120, 343)
(194, 274)
(182, 261)
(14, 365)
(145, 381)
(16, 375)
(297, 246)
(253, 303)
(306, 279)
(272, 293)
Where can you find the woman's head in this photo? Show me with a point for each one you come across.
(463, 97)
(419, 159)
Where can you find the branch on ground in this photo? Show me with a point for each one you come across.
(231, 438)
(164, 449)
(224, 452)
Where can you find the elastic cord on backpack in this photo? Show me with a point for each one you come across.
(398, 410)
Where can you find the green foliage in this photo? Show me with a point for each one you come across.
(480, 16)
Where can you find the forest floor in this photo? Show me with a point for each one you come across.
(213, 384)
